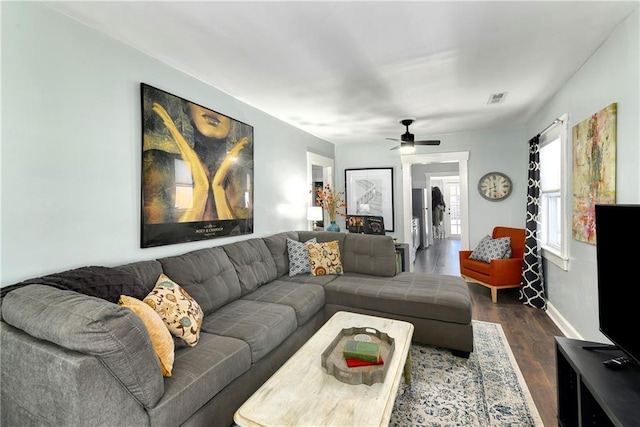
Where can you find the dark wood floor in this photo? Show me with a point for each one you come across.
(529, 330)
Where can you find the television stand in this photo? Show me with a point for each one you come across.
(600, 347)
(591, 394)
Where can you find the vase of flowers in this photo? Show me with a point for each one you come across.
(331, 201)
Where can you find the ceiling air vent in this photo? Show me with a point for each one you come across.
(497, 98)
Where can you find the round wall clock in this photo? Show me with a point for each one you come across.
(495, 186)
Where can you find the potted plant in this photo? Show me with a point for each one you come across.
(331, 201)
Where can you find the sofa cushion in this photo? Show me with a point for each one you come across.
(253, 263)
(324, 258)
(323, 237)
(96, 281)
(208, 276)
(277, 245)
(93, 326)
(489, 249)
(420, 295)
(147, 272)
(158, 332)
(179, 311)
(369, 254)
(305, 299)
(298, 256)
(262, 325)
(199, 374)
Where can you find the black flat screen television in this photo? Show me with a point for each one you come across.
(617, 231)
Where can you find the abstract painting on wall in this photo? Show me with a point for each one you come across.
(197, 171)
(594, 170)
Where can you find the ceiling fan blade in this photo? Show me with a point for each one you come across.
(428, 142)
(395, 148)
(393, 139)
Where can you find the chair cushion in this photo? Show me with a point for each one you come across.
(489, 249)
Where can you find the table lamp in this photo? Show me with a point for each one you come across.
(314, 213)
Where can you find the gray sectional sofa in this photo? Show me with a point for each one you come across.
(71, 359)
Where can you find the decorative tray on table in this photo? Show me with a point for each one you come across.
(334, 363)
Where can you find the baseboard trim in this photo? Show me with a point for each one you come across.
(562, 323)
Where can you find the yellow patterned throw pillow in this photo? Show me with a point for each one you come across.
(179, 311)
(324, 258)
(160, 336)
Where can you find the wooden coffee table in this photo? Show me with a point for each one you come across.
(301, 393)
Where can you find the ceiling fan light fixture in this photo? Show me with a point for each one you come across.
(407, 149)
(407, 139)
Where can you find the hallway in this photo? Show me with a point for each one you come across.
(439, 258)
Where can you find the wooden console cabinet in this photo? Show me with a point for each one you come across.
(589, 393)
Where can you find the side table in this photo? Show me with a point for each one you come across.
(402, 257)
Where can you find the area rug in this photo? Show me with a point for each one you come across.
(487, 389)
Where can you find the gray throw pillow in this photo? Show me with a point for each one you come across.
(298, 256)
(508, 253)
(489, 249)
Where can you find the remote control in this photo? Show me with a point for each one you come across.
(618, 362)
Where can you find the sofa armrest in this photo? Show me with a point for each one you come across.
(506, 271)
(464, 255)
(46, 384)
(93, 326)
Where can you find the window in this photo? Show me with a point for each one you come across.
(184, 185)
(554, 197)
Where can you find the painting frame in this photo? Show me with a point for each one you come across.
(196, 171)
(594, 170)
(370, 185)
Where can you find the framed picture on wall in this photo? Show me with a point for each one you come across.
(197, 171)
(370, 192)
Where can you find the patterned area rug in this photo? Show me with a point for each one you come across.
(485, 390)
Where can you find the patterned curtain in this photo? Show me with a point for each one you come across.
(532, 290)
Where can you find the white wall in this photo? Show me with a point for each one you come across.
(610, 75)
(418, 171)
(71, 148)
(511, 143)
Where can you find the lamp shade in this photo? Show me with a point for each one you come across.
(314, 213)
(407, 148)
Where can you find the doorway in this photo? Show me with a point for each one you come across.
(319, 169)
(449, 185)
(462, 158)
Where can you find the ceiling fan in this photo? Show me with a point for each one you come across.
(407, 142)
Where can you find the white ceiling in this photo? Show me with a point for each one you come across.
(347, 71)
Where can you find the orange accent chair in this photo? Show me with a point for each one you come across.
(499, 273)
